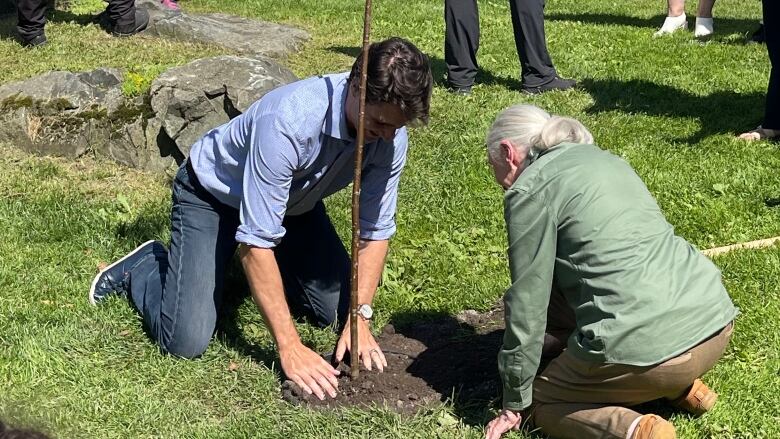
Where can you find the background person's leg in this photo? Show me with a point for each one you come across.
(31, 15)
(528, 24)
(121, 12)
(705, 8)
(179, 293)
(315, 268)
(461, 42)
(676, 8)
(704, 24)
(675, 18)
(125, 19)
(772, 35)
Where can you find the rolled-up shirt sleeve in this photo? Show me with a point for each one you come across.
(379, 191)
(268, 175)
(532, 234)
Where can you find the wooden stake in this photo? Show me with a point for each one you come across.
(353, 306)
(761, 243)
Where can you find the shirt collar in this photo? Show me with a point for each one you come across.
(336, 119)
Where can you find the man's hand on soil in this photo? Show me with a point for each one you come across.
(309, 371)
(505, 421)
(370, 352)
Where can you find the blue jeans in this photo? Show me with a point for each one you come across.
(179, 294)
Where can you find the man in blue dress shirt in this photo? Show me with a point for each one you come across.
(257, 183)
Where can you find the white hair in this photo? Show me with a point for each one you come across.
(530, 127)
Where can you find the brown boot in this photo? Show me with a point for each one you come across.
(698, 399)
(654, 427)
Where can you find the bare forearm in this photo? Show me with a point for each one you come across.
(372, 260)
(265, 281)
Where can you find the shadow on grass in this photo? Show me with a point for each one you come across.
(724, 26)
(153, 221)
(722, 112)
(236, 293)
(459, 361)
(439, 70)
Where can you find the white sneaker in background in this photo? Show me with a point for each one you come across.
(704, 27)
(672, 24)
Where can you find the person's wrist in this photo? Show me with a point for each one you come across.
(365, 311)
(288, 343)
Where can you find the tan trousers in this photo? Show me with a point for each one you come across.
(579, 399)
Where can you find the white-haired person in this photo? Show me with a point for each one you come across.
(676, 19)
(589, 245)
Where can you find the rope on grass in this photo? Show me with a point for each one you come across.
(760, 243)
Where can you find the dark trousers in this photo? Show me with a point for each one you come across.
(32, 15)
(180, 292)
(772, 33)
(461, 42)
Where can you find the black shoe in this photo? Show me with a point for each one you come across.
(140, 23)
(114, 278)
(464, 91)
(557, 83)
(36, 41)
(758, 36)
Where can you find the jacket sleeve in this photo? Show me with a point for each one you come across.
(532, 234)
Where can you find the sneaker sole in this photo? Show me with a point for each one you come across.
(95, 281)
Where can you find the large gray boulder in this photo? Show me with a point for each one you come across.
(191, 99)
(73, 114)
(56, 113)
(240, 35)
(66, 91)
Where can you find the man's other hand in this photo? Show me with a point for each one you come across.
(309, 371)
(370, 352)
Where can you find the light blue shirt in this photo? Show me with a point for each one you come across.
(278, 159)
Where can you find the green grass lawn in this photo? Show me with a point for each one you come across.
(670, 106)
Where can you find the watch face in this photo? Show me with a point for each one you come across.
(365, 311)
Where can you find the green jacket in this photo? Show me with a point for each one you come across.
(581, 219)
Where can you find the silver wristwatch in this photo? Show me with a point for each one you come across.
(364, 310)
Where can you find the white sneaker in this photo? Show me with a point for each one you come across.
(704, 27)
(672, 24)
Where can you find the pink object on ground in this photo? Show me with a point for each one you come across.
(170, 4)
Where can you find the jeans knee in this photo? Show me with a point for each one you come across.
(187, 347)
(329, 318)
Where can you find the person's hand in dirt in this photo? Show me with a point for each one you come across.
(309, 371)
(300, 364)
(370, 352)
(505, 421)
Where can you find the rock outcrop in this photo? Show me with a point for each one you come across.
(73, 114)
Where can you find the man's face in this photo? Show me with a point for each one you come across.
(382, 120)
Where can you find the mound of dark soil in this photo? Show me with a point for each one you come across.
(453, 358)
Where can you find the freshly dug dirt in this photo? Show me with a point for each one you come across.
(428, 363)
